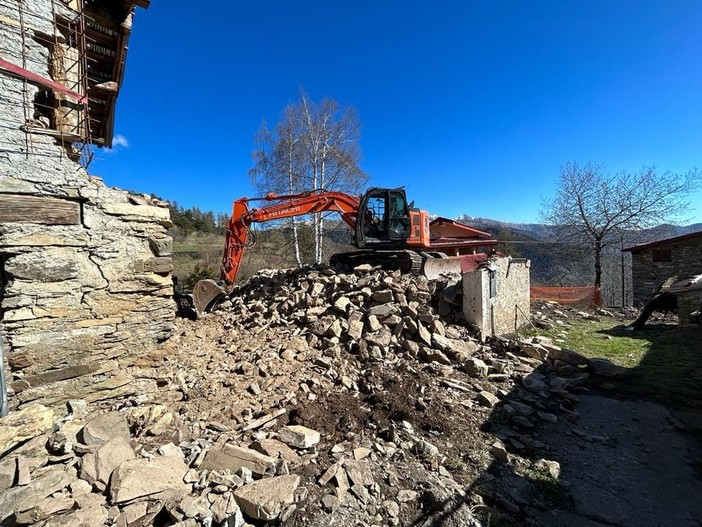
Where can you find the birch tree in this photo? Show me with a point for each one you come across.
(598, 210)
(314, 147)
(277, 163)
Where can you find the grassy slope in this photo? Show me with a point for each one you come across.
(666, 360)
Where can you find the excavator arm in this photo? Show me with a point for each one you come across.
(206, 292)
(287, 206)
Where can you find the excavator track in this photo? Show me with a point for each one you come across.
(402, 260)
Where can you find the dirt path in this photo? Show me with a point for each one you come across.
(627, 466)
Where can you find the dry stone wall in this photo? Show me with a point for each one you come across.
(85, 270)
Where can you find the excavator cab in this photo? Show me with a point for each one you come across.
(383, 219)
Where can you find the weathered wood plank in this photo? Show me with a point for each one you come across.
(35, 209)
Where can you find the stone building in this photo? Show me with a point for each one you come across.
(496, 294)
(656, 261)
(85, 270)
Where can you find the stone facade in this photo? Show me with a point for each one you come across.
(85, 270)
(689, 303)
(654, 262)
(496, 296)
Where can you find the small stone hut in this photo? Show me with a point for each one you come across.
(496, 293)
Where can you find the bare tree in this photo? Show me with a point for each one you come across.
(597, 209)
(277, 161)
(313, 147)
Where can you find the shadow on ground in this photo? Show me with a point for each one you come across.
(671, 370)
(601, 453)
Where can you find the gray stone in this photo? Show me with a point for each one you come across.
(45, 482)
(225, 509)
(265, 499)
(298, 436)
(44, 509)
(427, 450)
(487, 399)
(141, 478)
(96, 467)
(355, 329)
(104, 427)
(534, 382)
(17, 427)
(606, 368)
(359, 472)
(235, 458)
(565, 355)
(476, 368)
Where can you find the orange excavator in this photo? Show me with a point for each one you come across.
(388, 232)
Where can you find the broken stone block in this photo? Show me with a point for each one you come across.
(342, 303)
(499, 451)
(534, 382)
(225, 510)
(104, 427)
(29, 422)
(606, 368)
(565, 355)
(406, 496)
(140, 478)
(44, 509)
(355, 329)
(299, 436)
(427, 450)
(96, 467)
(424, 334)
(265, 499)
(235, 458)
(476, 368)
(277, 449)
(23, 475)
(373, 323)
(194, 507)
(45, 481)
(169, 449)
(487, 399)
(359, 472)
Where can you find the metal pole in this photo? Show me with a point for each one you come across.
(4, 403)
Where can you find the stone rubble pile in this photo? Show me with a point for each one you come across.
(308, 398)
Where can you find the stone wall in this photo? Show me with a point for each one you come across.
(689, 303)
(85, 270)
(496, 296)
(685, 261)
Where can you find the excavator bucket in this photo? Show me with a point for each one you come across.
(434, 267)
(206, 294)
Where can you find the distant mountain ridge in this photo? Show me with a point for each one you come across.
(540, 231)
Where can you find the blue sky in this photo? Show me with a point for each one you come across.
(472, 106)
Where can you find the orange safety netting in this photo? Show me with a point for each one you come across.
(588, 296)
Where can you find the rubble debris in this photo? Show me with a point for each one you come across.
(291, 403)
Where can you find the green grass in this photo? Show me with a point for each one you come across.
(666, 360)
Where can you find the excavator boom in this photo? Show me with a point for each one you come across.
(289, 205)
(389, 231)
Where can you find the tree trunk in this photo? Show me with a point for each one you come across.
(598, 263)
(291, 189)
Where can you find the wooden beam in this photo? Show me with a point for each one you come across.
(20, 208)
(66, 137)
(22, 73)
